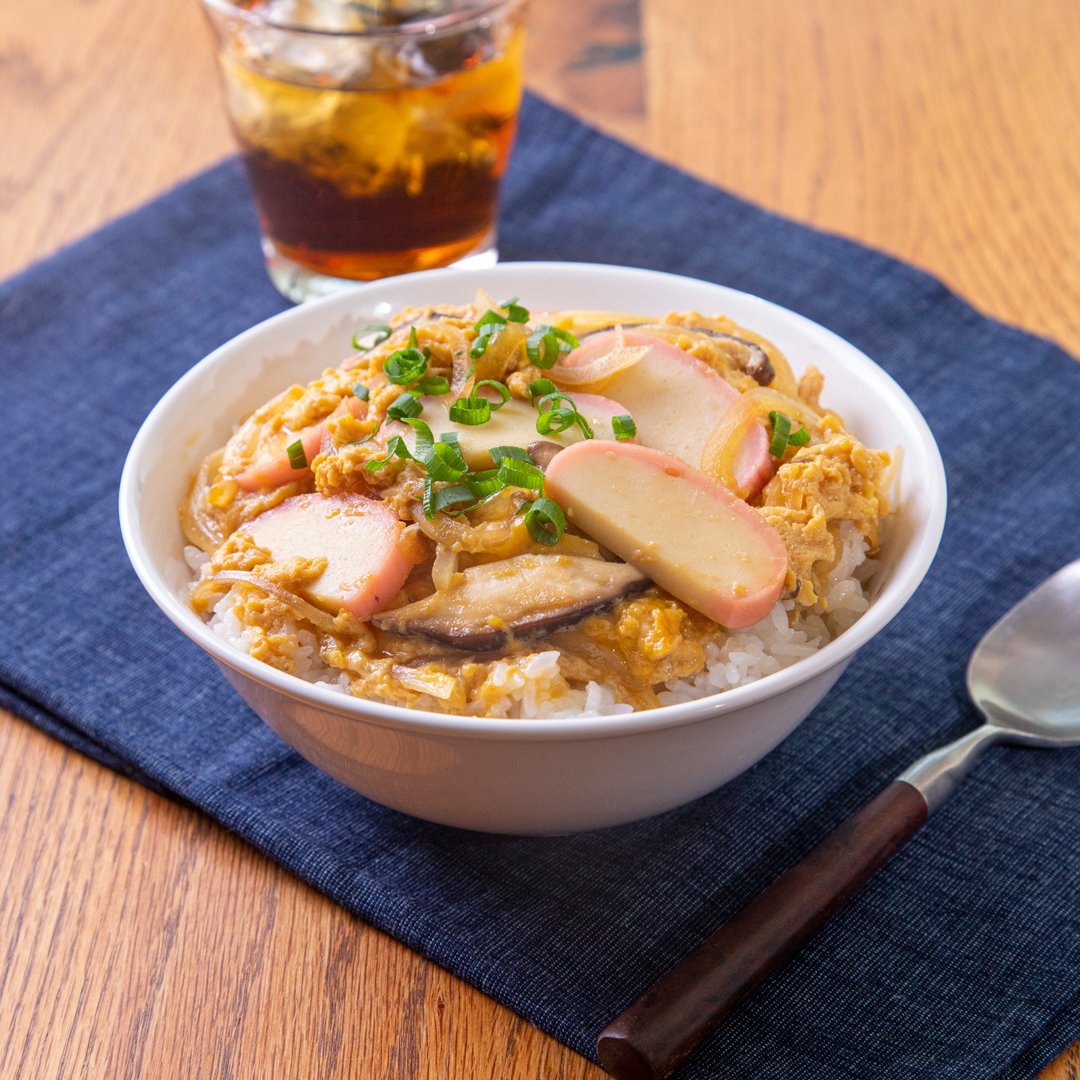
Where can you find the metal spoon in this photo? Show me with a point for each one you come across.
(1024, 677)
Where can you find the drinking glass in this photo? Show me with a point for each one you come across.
(374, 134)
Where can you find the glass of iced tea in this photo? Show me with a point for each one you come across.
(374, 133)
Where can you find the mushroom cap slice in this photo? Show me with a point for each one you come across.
(525, 596)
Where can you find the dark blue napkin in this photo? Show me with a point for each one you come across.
(961, 959)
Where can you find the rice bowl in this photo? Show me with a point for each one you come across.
(524, 775)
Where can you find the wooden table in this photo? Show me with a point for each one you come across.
(142, 939)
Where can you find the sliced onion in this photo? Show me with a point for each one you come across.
(501, 539)
(436, 683)
(200, 524)
(443, 568)
(721, 453)
(502, 351)
(322, 620)
(580, 371)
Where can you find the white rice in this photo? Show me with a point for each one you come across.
(531, 686)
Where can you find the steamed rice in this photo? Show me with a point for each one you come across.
(531, 687)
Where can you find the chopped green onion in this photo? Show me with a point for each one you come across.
(489, 325)
(555, 420)
(545, 521)
(451, 437)
(369, 436)
(442, 460)
(445, 463)
(381, 332)
(361, 391)
(514, 311)
(470, 411)
(483, 340)
(547, 343)
(541, 388)
(624, 427)
(394, 448)
(500, 453)
(424, 439)
(433, 385)
(404, 406)
(457, 511)
(781, 426)
(474, 409)
(522, 474)
(583, 424)
(427, 501)
(782, 435)
(451, 495)
(406, 365)
(297, 457)
(485, 483)
(559, 418)
(498, 387)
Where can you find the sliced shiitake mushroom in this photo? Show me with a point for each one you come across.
(747, 356)
(522, 597)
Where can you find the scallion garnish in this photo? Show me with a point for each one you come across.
(545, 521)
(433, 385)
(403, 407)
(547, 343)
(369, 436)
(406, 365)
(297, 457)
(474, 409)
(394, 448)
(514, 311)
(471, 411)
(361, 391)
(499, 453)
(540, 387)
(554, 421)
(424, 439)
(783, 436)
(451, 437)
(624, 427)
(381, 333)
(491, 322)
(557, 417)
(452, 495)
(445, 463)
(522, 474)
(442, 460)
(485, 483)
(498, 387)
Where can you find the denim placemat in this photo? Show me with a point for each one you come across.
(961, 959)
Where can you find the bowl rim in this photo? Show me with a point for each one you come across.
(838, 651)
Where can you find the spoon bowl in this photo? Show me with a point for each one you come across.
(1024, 675)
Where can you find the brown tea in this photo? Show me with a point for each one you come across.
(369, 159)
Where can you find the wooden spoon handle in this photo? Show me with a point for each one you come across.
(661, 1029)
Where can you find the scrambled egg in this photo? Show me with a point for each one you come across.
(633, 648)
(822, 485)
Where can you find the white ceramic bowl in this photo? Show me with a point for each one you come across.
(519, 776)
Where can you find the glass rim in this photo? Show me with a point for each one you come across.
(426, 27)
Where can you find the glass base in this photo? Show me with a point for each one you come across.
(299, 284)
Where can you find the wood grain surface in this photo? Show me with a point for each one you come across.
(139, 938)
